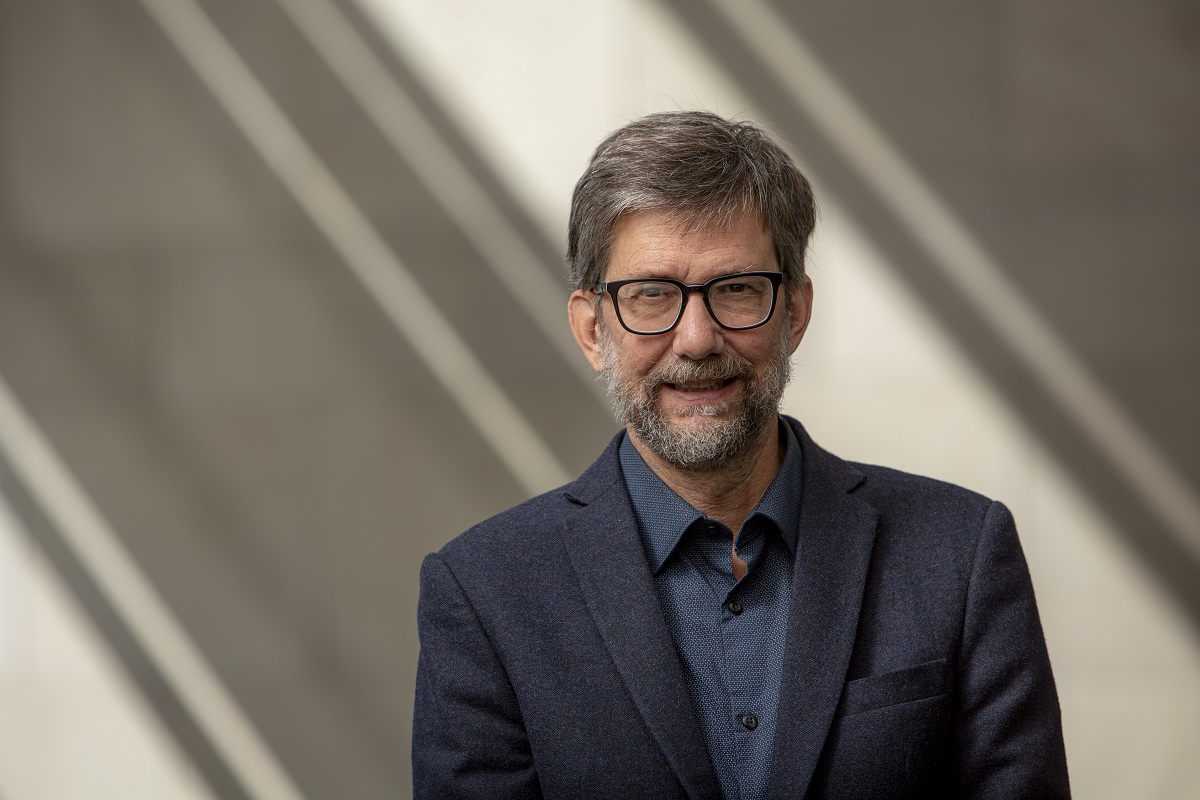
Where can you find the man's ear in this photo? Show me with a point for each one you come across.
(585, 325)
(802, 298)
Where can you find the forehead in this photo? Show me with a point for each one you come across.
(655, 244)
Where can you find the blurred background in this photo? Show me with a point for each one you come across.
(282, 309)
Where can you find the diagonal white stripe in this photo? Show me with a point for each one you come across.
(443, 175)
(967, 265)
(138, 604)
(481, 400)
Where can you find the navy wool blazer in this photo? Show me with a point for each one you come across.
(915, 665)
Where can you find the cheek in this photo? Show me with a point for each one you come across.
(776, 341)
(755, 349)
(640, 355)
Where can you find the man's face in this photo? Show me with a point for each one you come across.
(698, 396)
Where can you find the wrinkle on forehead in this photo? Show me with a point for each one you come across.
(650, 243)
(689, 220)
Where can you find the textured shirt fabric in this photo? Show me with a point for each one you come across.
(729, 634)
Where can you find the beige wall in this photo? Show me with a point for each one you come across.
(316, 442)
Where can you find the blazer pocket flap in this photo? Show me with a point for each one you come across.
(892, 688)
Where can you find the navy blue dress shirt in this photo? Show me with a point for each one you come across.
(730, 634)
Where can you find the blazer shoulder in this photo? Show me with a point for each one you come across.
(905, 494)
(909, 482)
(521, 526)
(884, 487)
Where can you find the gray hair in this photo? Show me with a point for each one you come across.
(701, 169)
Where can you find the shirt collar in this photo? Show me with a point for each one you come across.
(663, 516)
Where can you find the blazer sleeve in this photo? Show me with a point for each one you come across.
(468, 738)
(1009, 740)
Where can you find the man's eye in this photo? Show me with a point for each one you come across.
(738, 288)
(651, 291)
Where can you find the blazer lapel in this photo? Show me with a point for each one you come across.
(833, 553)
(605, 549)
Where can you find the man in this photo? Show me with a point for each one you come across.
(718, 608)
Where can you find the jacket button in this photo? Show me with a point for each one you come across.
(749, 721)
(735, 607)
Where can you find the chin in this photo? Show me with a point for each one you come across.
(702, 422)
(709, 411)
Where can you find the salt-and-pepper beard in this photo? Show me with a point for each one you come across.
(703, 448)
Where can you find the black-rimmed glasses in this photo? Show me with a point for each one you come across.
(737, 302)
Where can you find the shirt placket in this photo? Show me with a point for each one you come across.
(738, 644)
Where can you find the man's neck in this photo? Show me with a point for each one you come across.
(728, 493)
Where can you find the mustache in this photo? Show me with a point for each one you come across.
(725, 366)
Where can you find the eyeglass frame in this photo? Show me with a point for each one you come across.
(610, 288)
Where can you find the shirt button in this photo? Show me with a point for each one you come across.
(735, 607)
(749, 721)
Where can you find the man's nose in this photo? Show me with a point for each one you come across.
(697, 335)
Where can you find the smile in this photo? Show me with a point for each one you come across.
(700, 386)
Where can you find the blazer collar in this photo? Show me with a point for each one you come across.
(606, 553)
(837, 535)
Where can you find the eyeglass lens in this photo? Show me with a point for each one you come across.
(736, 302)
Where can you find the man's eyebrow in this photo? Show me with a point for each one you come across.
(656, 272)
(753, 266)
